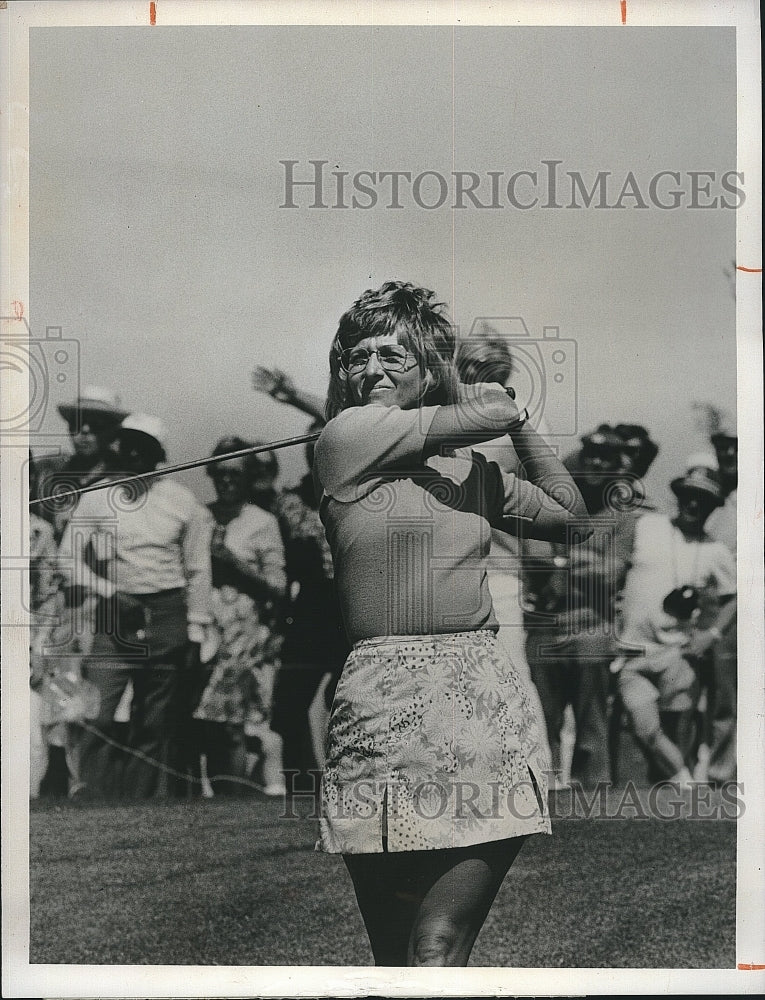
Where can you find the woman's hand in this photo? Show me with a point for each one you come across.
(274, 383)
(490, 394)
(278, 385)
(478, 390)
(483, 411)
(219, 549)
(480, 400)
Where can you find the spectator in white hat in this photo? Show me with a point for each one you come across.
(150, 545)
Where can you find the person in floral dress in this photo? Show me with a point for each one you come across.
(248, 586)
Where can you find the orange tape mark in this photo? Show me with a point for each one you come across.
(152, 13)
(749, 270)
(750, 968)
(623, 6)
(18, 309)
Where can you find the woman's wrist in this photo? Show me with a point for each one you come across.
(279, 390)
(520, 421)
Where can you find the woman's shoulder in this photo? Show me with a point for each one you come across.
(256, 518)
(354, 419)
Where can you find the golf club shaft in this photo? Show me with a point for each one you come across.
(181, 467)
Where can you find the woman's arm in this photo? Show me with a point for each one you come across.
(544, 469)
(547, 503)
(544, 504)
(280, 386)
(263, 575)
(75, 568)
(484, 412)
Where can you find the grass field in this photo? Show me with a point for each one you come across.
(227, 882)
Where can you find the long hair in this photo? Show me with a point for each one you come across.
(420, 324)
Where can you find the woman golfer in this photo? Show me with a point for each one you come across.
(432, 780)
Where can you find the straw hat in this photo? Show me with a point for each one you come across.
(94, 399)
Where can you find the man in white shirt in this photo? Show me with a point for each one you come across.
(144, 550)
(677, 602)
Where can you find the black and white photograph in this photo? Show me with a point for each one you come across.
(376, 580)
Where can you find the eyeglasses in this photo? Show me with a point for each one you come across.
(391, 359)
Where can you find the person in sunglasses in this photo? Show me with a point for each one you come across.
(433, 778)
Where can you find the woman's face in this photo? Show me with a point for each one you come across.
(228, 479)
(90, 438)
(693, 509)
(375, 384)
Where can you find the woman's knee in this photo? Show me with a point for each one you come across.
(437, 942)
(646, 723)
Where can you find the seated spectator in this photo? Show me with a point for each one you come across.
(248, 588)
(677, 600)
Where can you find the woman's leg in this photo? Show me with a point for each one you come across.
(461, 886)
(641, 702)
(388, 896)
(427, 907)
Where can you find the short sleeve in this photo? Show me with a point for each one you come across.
(364, 443)
(266, 543)
(521, 499)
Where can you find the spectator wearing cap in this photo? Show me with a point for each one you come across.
(721, 526)
(678, 599)
(573, 593)
(150, 569)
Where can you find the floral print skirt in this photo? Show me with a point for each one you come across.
(240, 690)
(430, 745)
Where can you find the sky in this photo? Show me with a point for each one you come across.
(158, 243)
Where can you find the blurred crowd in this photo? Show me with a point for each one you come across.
(181, 649)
